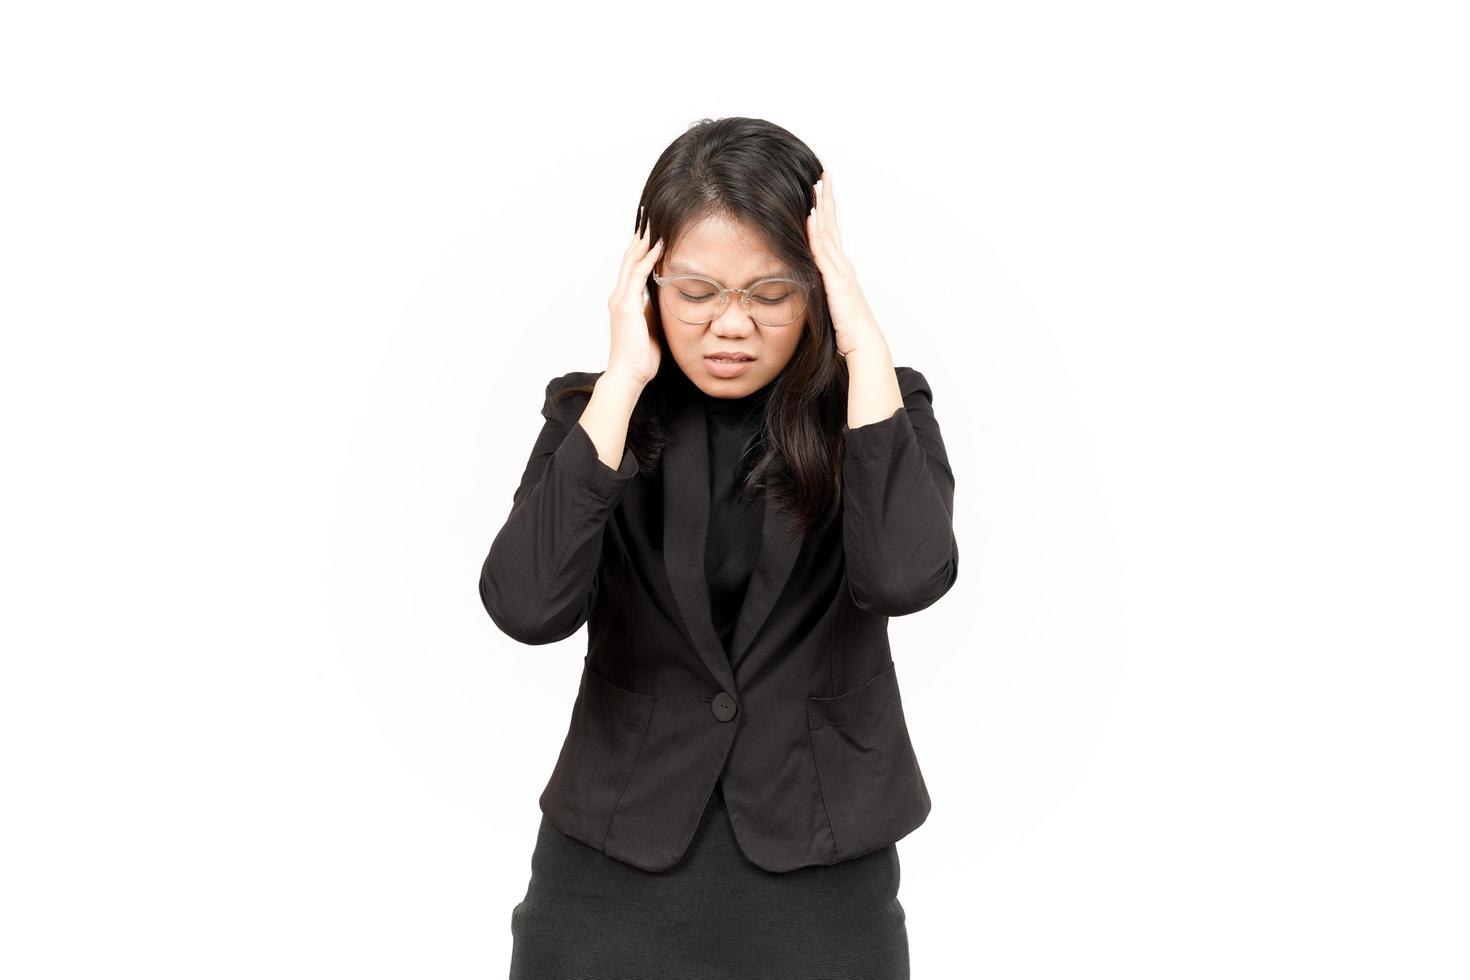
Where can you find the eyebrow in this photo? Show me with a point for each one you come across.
(679, 267)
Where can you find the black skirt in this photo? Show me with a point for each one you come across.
(713, 916)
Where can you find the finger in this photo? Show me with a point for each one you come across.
(815, 242)
(645, 264)
(821, 208)
(831, 207)
(826, 216)
(638, 278)
(637, 249)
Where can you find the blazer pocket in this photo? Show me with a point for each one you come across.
(597, 757)
(870, 780)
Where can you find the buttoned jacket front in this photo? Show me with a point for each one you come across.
(801, 722)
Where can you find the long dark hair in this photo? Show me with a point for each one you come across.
(757, 173)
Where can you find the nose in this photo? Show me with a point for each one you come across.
(733, 320)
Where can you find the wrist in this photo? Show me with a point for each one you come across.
(869, 356)
(622, 384)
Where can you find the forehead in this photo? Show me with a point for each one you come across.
(725, 249)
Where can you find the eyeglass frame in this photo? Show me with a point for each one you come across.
(725, 292)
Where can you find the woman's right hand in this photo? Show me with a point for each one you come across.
(635, 350)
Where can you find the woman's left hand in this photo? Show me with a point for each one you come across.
(851, 318)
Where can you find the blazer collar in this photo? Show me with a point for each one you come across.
(685, 477)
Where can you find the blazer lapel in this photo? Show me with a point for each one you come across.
(685, 478)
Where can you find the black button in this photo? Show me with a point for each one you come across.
(723, 706)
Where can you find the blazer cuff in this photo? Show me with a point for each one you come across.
(579, 453)
(876, 438)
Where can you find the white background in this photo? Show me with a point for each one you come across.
(282, 287)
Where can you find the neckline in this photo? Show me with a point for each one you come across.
(740, 405)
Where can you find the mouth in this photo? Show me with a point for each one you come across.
(727, 357)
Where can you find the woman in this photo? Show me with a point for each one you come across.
(735, 507)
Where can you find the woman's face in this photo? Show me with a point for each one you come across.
(732, 255)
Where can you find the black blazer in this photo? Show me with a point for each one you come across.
(801, 722)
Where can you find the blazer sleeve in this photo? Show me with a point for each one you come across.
(898, 507)
(539, 579)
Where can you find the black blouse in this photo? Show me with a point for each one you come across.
(735, 520)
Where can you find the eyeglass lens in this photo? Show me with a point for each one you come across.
(774, 303)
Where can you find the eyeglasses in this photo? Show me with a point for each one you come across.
(699, 299)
